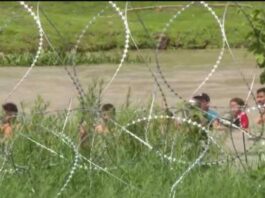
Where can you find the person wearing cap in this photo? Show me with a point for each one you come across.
(204, 104)
(10, 110)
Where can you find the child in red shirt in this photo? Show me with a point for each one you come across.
(240, 118)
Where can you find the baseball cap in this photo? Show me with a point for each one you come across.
(202, 96)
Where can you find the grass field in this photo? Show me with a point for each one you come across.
(130, 169)
(63, 22)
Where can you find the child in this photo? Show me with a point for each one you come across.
(107, 113)
(240, 118)
(11, 111)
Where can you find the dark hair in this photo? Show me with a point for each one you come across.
(108, 107)
(202, 96)
(261, 90)
(10, 107)
(169, 113)
(239, 101)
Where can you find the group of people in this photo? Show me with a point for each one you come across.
(237, 114)
(10, 112)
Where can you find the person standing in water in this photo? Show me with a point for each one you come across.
(204, 104)
(239, 117)
(260, 98)
(107, 113)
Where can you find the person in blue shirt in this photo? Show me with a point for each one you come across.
(204, 104)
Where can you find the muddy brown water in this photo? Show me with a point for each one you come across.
(183, 69)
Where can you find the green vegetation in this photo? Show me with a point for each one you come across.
(256, 38)
(51, 58)
(143, 172)
(64, 21)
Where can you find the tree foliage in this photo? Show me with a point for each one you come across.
(256, 38)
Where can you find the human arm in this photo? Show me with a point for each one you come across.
(260, 119)
(82, 133)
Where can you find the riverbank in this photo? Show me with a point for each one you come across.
(62, 23)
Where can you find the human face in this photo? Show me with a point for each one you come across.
(234, 108)
(260, 98)
(204, 105)
(8, 116)
(106, 115)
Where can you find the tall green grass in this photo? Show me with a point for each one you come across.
(141, 172)
(50, 58)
